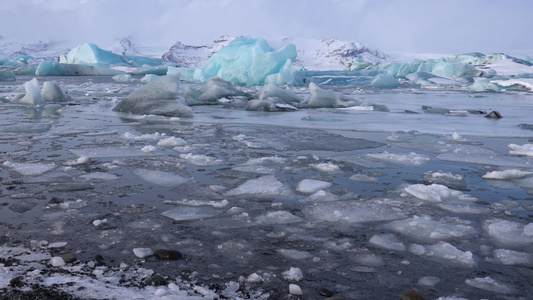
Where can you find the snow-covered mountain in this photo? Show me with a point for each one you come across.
(313, 54)
(129, 46)
(40, 50)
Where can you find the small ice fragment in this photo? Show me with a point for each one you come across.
(149, 148)
(293, 274)
(428, 280)
(489, 284)
(506, 174)
(326, 167)
(143, 252)
(310, 186)
(57, 261)
(254, 278)
(294, 289)
(526, 149)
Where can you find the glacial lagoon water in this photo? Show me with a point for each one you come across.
(367, 204)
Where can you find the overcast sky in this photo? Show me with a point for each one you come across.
(419, 26)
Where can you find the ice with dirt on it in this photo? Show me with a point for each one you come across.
(285, 95)
(310, 186)
(425, 228)
(201, 160)
(319, 98)
(506, 174)
(387, 241)
(437, 193)
(265, 186)
(160, 177)
(51, 92)
(525, 150)
(33, 93)
(411, 159)
(511, 257)
(158, 97)
(489, 284)
(30, 169)
(509, 233)
(211, 92)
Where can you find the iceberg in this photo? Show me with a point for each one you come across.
(88, 53)
(327, 98)
(51, 92)
(214, 89)
(46, 68)
(248, 61)
(158, 97)
(33, 93)
(7, 75)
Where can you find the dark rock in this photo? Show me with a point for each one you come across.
(412, 295)
(494, 115)
(99, 259)
(69, 257)
(168, 254)
(16, 282)
(155, 280)
(325, 292)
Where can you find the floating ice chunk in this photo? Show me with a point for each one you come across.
(437, 193)
(506, 174)
(385, 80)
(322, 196)
(509, 233)
(453, 181)
(7, 75)
(364, 178)
(171, 142)
(57, 261)
(142, 137)
(326, 98)
(143, 252)
(265, 186)
(213, 90)
(258, 169)
(447, 252)
(489, 284)
(212, 203)
(526, 149)
(30, 169)
(294, 254)
(412, 159)
(310, 186)
(148, 77)
(51, 92)
(293, 274)
(426, 229)
(160, 177)
(108, 152)
(326, 167)
(285, 95)
(48, 68)
(254, 278)
(90, 54)
(278, 217)
(269, 104)
(124, 78)
(428, 280)
(387, 241)
(148, 149)
(248, 61)
(158, 97)
(201, 160)
(185, 213)
(464, 209)
(33, 93)
(510, 257)
(99, 176)
(369, 260)
(295, 289)
(374, 210)
(528, 229)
